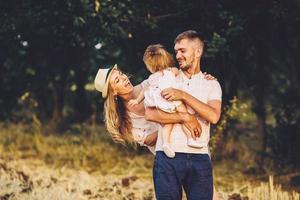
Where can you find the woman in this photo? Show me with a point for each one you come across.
(127, 124)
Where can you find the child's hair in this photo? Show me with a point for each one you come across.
(157, 58)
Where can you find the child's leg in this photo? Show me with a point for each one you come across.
(166, 132)
(182, 109)
(190, 141)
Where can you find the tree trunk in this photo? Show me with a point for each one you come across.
(262, 81)
(58, 98)
(81, 100)
(59, 89)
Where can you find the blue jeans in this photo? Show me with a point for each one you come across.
(192, 172)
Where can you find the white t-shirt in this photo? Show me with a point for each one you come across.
(204, 90)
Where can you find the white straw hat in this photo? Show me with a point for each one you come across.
(102, 79)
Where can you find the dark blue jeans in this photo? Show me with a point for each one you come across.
(192, 172)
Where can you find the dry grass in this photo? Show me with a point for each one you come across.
(90, 166)
(88, 152)
(33, 179)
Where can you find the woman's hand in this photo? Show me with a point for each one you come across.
(209, 76)
(192, 124)
(151, 139)
(172, 94)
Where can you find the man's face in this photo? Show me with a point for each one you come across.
(185, 53)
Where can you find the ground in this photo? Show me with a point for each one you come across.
(82, 167)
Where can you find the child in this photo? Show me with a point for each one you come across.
(158, 61)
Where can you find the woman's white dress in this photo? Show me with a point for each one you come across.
(141, 128)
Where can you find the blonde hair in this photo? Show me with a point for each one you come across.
(157, 58)
(117, 120)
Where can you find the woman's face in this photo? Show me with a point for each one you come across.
(120, 83)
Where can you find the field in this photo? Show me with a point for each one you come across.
(81, 164)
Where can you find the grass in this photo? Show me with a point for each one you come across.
(85, 164)
(88, 152)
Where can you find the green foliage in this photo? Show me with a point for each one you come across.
(215, 45)
(236, 110)
(285, 135)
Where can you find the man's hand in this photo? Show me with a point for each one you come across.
(192, 124)
(209, 76)
(172, 94)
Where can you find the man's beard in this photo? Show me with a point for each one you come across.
(186, 67)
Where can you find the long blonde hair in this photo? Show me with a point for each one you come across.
(117, 120)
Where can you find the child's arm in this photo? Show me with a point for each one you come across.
(138, 100)
(175, 71)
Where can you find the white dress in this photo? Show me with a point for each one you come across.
(141, 128)
(155, 84)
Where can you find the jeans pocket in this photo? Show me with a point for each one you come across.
(203, 166)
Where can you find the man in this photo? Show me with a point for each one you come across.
(191, 168)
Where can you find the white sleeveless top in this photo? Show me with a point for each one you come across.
(141, 128)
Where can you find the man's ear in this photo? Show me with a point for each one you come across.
(199, 52)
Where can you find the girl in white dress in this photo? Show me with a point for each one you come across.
(159, 62)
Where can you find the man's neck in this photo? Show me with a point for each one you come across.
(192, 71)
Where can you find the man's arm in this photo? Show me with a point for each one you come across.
(189, 121)
(156, 115)
(210, 111)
